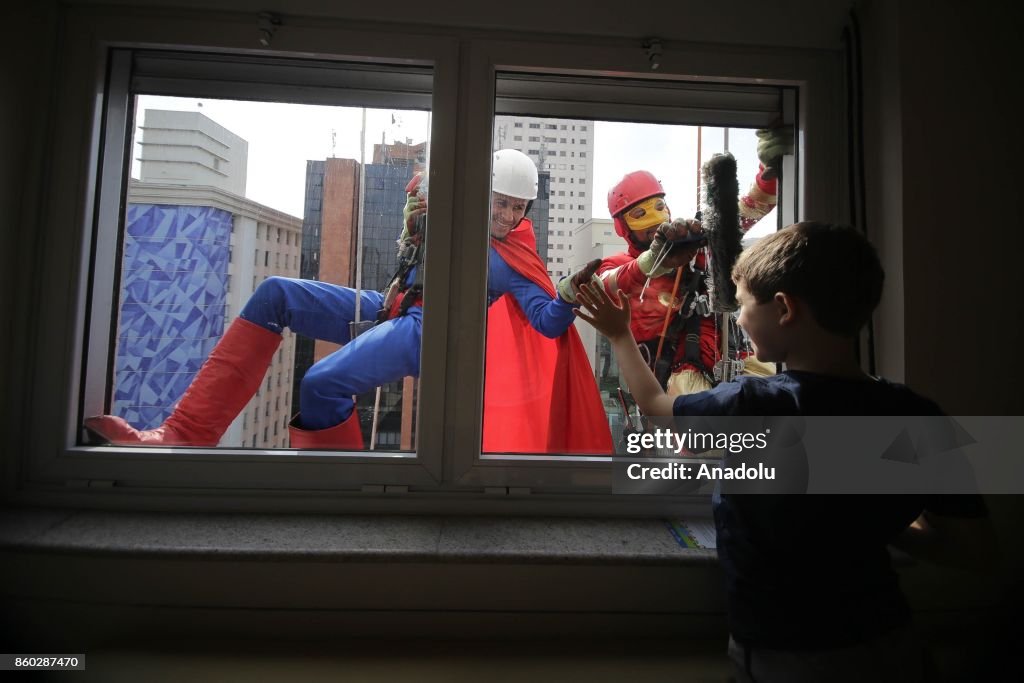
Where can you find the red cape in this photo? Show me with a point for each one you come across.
(540, 395)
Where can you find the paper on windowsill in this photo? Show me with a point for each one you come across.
(693, 533)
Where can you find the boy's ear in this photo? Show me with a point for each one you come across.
(787, 308)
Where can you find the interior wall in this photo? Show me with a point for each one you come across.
(962, 233)
(788, 23)
(26, 108)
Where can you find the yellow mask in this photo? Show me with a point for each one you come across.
(647, 214)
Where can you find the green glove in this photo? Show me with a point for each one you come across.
(772, 145)
(570, 284)
(414, 207)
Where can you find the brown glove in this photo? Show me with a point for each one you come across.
(569, 285)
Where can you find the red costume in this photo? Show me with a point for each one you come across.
(540, 395)
(622, 272)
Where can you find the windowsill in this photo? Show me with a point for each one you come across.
(568, 541)
(97, 577)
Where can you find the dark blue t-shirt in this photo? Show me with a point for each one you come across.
(813, 571)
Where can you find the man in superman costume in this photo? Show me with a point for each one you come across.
(532, 380)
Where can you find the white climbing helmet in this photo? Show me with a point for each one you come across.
(514, 174)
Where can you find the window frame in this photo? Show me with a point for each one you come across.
(99, 142)
(815, 83)
(448, 467)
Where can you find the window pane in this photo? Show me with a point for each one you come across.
(527, 407)
(323, 189)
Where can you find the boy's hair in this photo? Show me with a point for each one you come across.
(832, 268)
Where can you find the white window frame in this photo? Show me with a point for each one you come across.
(448, 465)
(94, 145)
(815, 95)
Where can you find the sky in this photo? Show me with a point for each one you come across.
(282, 137)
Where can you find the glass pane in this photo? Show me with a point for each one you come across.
(541, 394)
(251, 230)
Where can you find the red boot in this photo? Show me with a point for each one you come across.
(345, 436)
(221, 388)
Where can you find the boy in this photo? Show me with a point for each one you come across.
(810, 589)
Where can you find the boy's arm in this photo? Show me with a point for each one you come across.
(961, 542)
(612, 320)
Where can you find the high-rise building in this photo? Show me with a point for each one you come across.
(564, 149)
(331, 242)
(195, 249)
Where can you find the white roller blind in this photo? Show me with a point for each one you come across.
(652, 101)
(273, 79)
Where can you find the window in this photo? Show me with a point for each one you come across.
(186, 231)
(399, 80)
(644, 138)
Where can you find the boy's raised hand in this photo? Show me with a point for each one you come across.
(610, 318)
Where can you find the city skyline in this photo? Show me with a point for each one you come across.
(282, 137)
